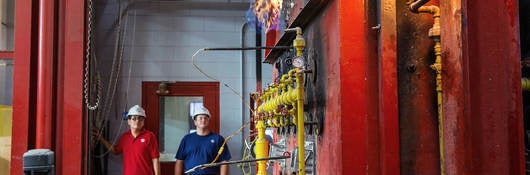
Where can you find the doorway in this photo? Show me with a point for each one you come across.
(169, 106)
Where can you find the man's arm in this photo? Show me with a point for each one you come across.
(107, 144)
(179, 167)
(224, 169)
(156, 166)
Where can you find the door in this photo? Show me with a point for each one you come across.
(169, 107)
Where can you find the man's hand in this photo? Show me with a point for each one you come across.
(107, 144)
(96, 134)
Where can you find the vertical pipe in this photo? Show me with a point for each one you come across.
(437, 66)
(45, 73)
(258, 56)
(261, 148)
(299, 45)
(300, 119)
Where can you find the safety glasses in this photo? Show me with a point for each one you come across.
(135, 118)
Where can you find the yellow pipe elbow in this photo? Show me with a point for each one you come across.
(299, 42)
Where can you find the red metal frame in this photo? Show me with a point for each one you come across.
(69, 118)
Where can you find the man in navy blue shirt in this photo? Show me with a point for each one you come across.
(201, 147)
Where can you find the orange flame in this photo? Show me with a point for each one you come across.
(267, 12)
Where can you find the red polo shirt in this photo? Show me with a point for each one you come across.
(138, 153)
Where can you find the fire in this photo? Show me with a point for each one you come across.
(267, 12)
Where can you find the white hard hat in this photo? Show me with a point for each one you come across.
(136, 110)
(199, 111)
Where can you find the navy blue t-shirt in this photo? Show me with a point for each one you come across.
(196, 150)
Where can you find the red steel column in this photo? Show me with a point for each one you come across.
(356, 108)
(70, 139)
(388, 83)
(45, 73)
(455, 87)
(22, 97)
(494, 70)
(482, 87)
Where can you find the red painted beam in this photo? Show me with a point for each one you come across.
(418, 131)
(45, 70)
(6, 54)
(494, 70)
(21, 87)
(70, 143)
(482, 87)
(354, 105)
(456, 102)
(388, 111)
(330, 162)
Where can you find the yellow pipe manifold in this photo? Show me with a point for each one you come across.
(281, 96)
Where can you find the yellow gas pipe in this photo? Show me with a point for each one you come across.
(299, 45)
(261, 147)
(434, 33)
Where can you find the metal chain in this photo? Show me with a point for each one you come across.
(87, 64)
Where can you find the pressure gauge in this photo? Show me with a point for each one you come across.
(298, 62)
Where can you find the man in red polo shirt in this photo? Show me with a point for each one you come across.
(138, 145)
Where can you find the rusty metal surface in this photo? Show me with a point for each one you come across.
(482, 91)
(493, 66)
(388, 111)
(419, 148)
(456, 104)
(331, 161)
